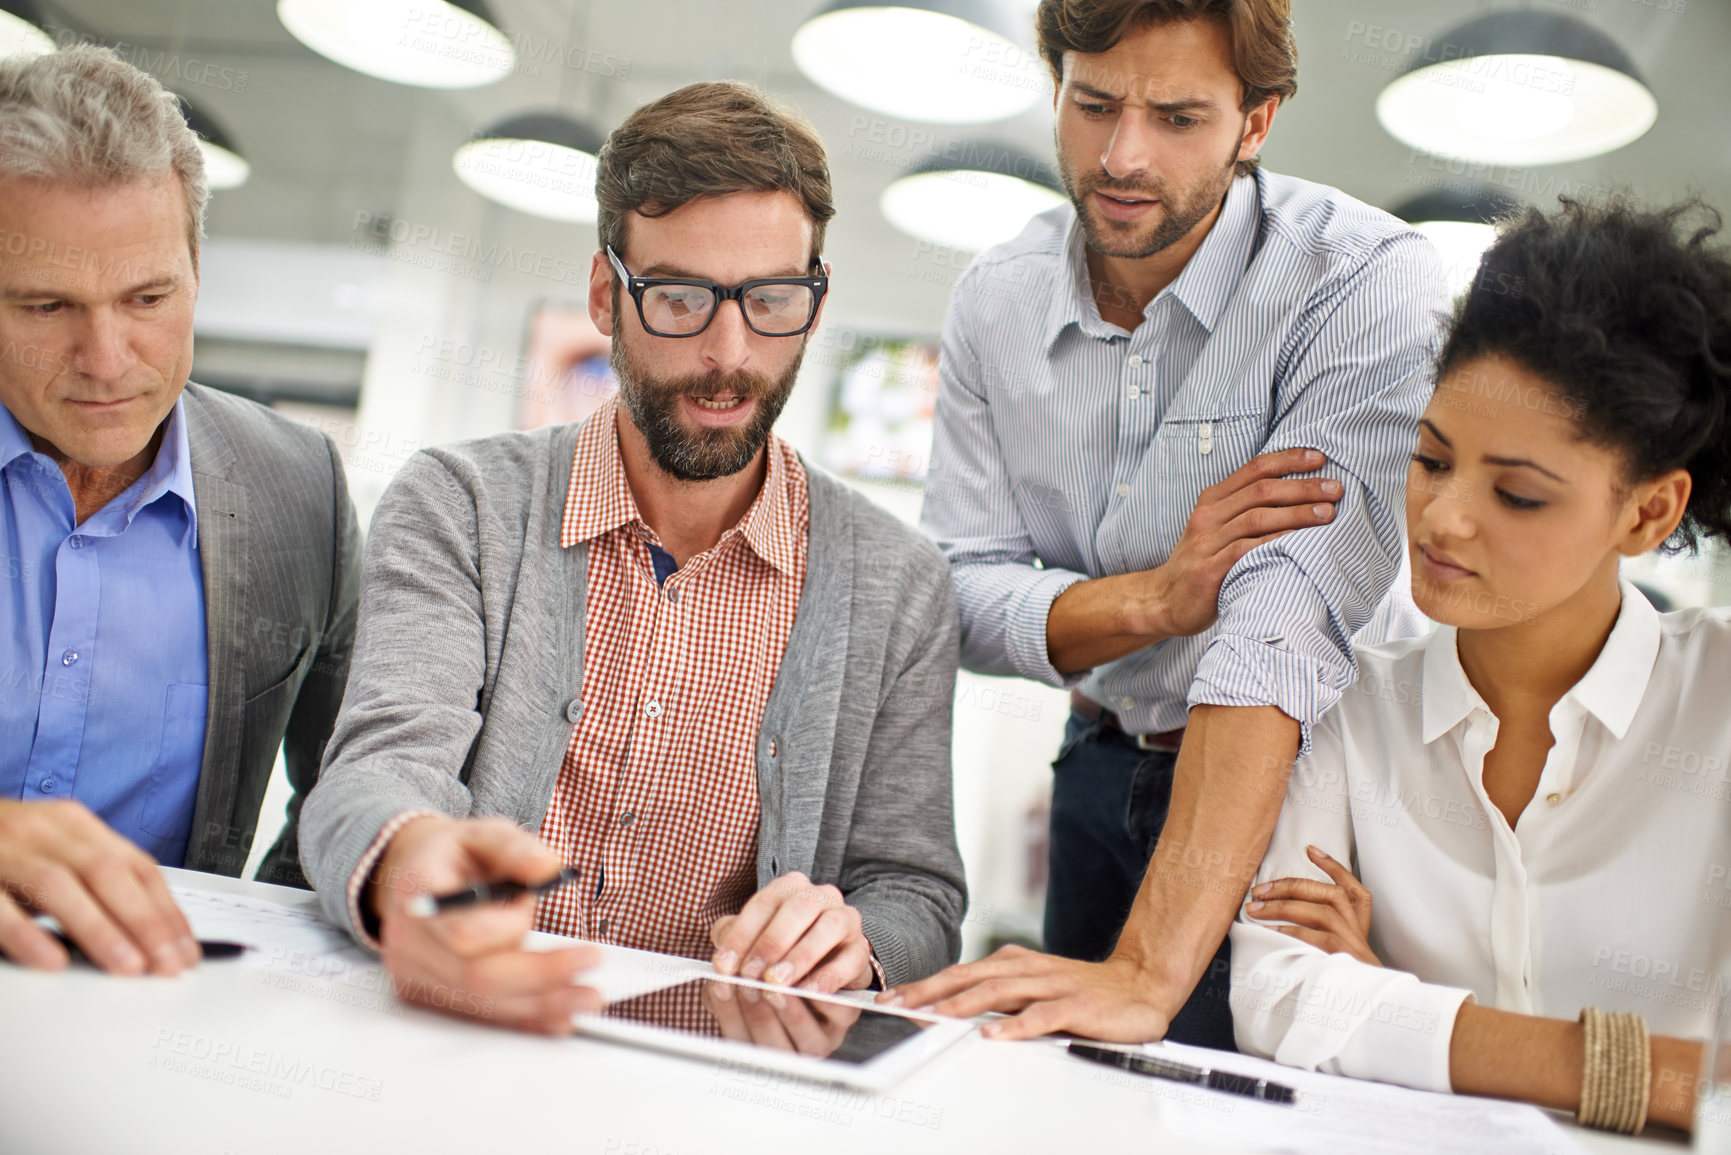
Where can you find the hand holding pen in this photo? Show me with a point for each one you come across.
(470, 959)
(428, 905)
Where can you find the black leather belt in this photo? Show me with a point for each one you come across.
(1166, 741)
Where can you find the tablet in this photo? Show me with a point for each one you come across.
(779, 1029)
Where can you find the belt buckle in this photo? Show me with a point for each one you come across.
(1160, 743)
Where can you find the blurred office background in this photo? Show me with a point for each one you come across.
(400, 257)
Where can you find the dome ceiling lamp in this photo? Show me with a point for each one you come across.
(1521, 87)
(1460, 224)
(224, 166)
(23, 31)
(425, 43)
(948, 61)
(980, 197)
(541, 163)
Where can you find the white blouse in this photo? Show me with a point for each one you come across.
(1612, 890)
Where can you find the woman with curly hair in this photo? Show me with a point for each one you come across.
(1538, 793)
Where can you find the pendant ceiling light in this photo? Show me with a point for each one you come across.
(979, 197)
(427, 43)
(1459, 224)
(537, 162)
(1522, 87)
(224, 167)
(952, 61)
(23, 32)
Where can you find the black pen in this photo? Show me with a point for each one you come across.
(1185, 1073)
(209, 949)
(427, 905)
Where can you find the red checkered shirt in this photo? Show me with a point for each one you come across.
(657, 799)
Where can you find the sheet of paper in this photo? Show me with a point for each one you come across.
(625, 973)
(286, 936)
(1339, 1116)
(277, 931)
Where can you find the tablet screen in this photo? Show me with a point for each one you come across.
(781, 1020)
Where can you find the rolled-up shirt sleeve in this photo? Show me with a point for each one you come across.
(1003, 596)
(1298, 1005)
(1360, 376)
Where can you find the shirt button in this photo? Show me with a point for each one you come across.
(1553, 799)
(76, 541)
(573, 710)
(603, 925)
(68, 657)
(48, 785)
(1134, 360)
(627, 818)
(673, 595)
(1123, 489)
(1132, 391)
(652, 708)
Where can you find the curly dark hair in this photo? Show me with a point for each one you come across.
(1627, 313)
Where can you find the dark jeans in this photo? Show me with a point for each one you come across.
(1109, 802)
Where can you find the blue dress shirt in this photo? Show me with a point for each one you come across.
(1068, 448)
(103, 667)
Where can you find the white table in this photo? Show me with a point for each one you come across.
(101, 1065)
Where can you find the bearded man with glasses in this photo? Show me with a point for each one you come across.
(658, 648)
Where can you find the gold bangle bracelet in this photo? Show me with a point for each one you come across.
(1616, 1071)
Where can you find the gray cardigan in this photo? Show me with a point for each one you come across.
(468, 666)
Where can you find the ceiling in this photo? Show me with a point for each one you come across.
(330, 147)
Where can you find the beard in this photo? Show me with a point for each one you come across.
(1178, 214)
(700, 453)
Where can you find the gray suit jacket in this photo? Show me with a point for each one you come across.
(280, 553)
(468, 673)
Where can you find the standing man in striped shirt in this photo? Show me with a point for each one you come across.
(657, 647)
(1170, 457)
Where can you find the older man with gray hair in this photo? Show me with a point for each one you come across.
(182, 566)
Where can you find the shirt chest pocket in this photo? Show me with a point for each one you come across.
(1193, 453)
(168, 806)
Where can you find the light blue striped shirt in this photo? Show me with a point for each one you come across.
(1067, 448)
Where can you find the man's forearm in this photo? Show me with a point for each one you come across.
(1100, 621)
(1226, 794)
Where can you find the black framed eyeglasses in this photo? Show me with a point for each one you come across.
(684, 306)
